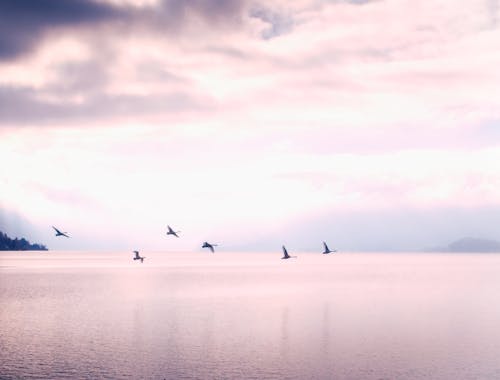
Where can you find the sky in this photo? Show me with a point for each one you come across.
(373, 125)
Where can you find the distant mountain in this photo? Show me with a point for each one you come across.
(8, 244)
(469, 244)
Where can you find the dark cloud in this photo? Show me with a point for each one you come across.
(214, 10)
(279, 23)
(79, 77)
(23, 105)
(24, 23)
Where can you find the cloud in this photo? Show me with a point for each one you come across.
(92, 59)
(279, 22)
(214, 10)
(298, 106)
(321, 68)
(23, 22)
(493, 9)
(355, 2)
(27, 106)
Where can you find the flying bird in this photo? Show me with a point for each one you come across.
(209, 246)
(286, 255)
(137, 257)
(172, 232)
(59, 233)
(327, 250)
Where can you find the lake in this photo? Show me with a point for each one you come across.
(101, 315)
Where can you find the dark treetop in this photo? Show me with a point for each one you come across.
(8, 244)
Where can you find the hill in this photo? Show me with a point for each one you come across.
(8, 244)
(469, 244)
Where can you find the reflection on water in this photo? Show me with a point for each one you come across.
(252, 316)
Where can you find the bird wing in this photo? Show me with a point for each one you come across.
(56, 230)
(211, 248)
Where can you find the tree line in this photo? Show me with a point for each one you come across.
(8, 244)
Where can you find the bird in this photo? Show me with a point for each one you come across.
(209, 246)
(137, 257)
(327, 250)
(172, 232)
(59, 233)
(286, 255)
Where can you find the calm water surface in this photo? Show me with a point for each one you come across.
(90, 315)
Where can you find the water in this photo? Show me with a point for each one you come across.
(91, 315)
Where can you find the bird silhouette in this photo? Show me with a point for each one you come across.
(59, 233)
(286, 255)
(137, 257)
(172, 232)
(327, 250)
(209, 246)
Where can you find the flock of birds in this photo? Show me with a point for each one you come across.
(170, 231)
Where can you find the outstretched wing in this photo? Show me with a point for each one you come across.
(211, 248)
(59, 233)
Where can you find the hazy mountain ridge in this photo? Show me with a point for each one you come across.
(470, 244)
(9, 244)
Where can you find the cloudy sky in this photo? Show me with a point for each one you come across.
(370, 124)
